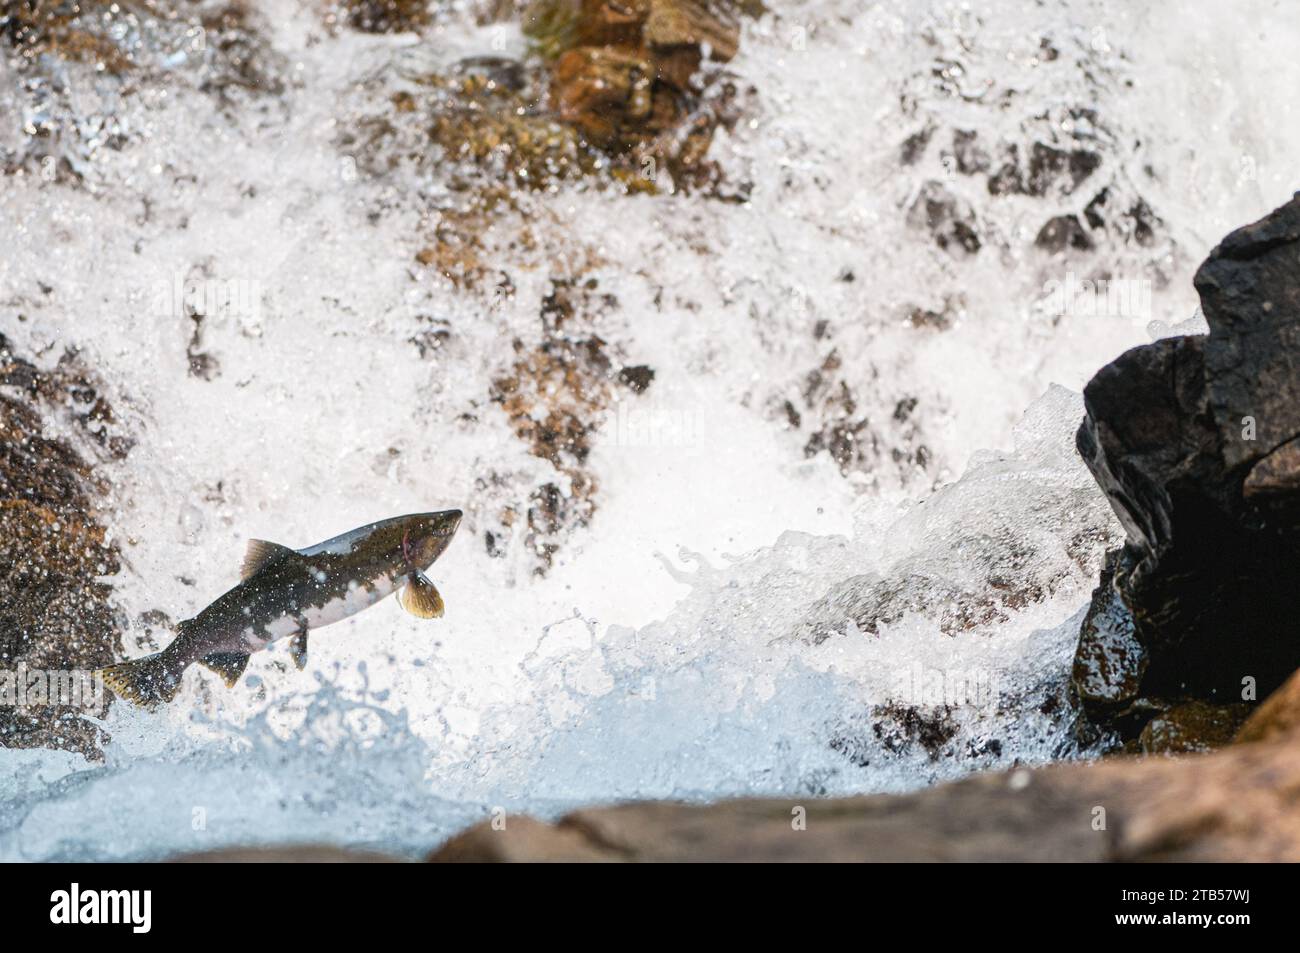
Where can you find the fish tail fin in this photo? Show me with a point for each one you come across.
(146, 681)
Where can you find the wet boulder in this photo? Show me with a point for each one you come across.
(1196, 443)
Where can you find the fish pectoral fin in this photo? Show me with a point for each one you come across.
(229, 665)
(420, 597)
(261, 554)
(298, 649)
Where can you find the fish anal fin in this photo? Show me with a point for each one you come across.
(298, 649)
(420, 597)
(260, 554)
(229, 665)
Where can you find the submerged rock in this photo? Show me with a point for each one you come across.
(555, 396)
(1003, 551)
(90, 31)
(1191, 440)
(81, 68)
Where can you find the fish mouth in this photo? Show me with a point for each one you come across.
(435, 523)
(448, 521)
(426, 536)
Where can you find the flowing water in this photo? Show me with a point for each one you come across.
(738, 613)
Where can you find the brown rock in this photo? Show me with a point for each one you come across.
(624, 77)
(604, 93)
(1192, 726)
(663, 25)
(555, 397)
(522, 840)
(605, 23)
(1278, 715)
(692, 23)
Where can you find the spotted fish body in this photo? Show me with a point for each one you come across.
(285, 593)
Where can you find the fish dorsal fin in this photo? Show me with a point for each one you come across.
(261, 554)
(420, 597)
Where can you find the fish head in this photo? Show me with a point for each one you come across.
(425, 536)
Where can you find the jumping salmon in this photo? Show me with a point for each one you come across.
(285, 592)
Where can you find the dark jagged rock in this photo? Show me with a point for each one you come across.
(1196, 442)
